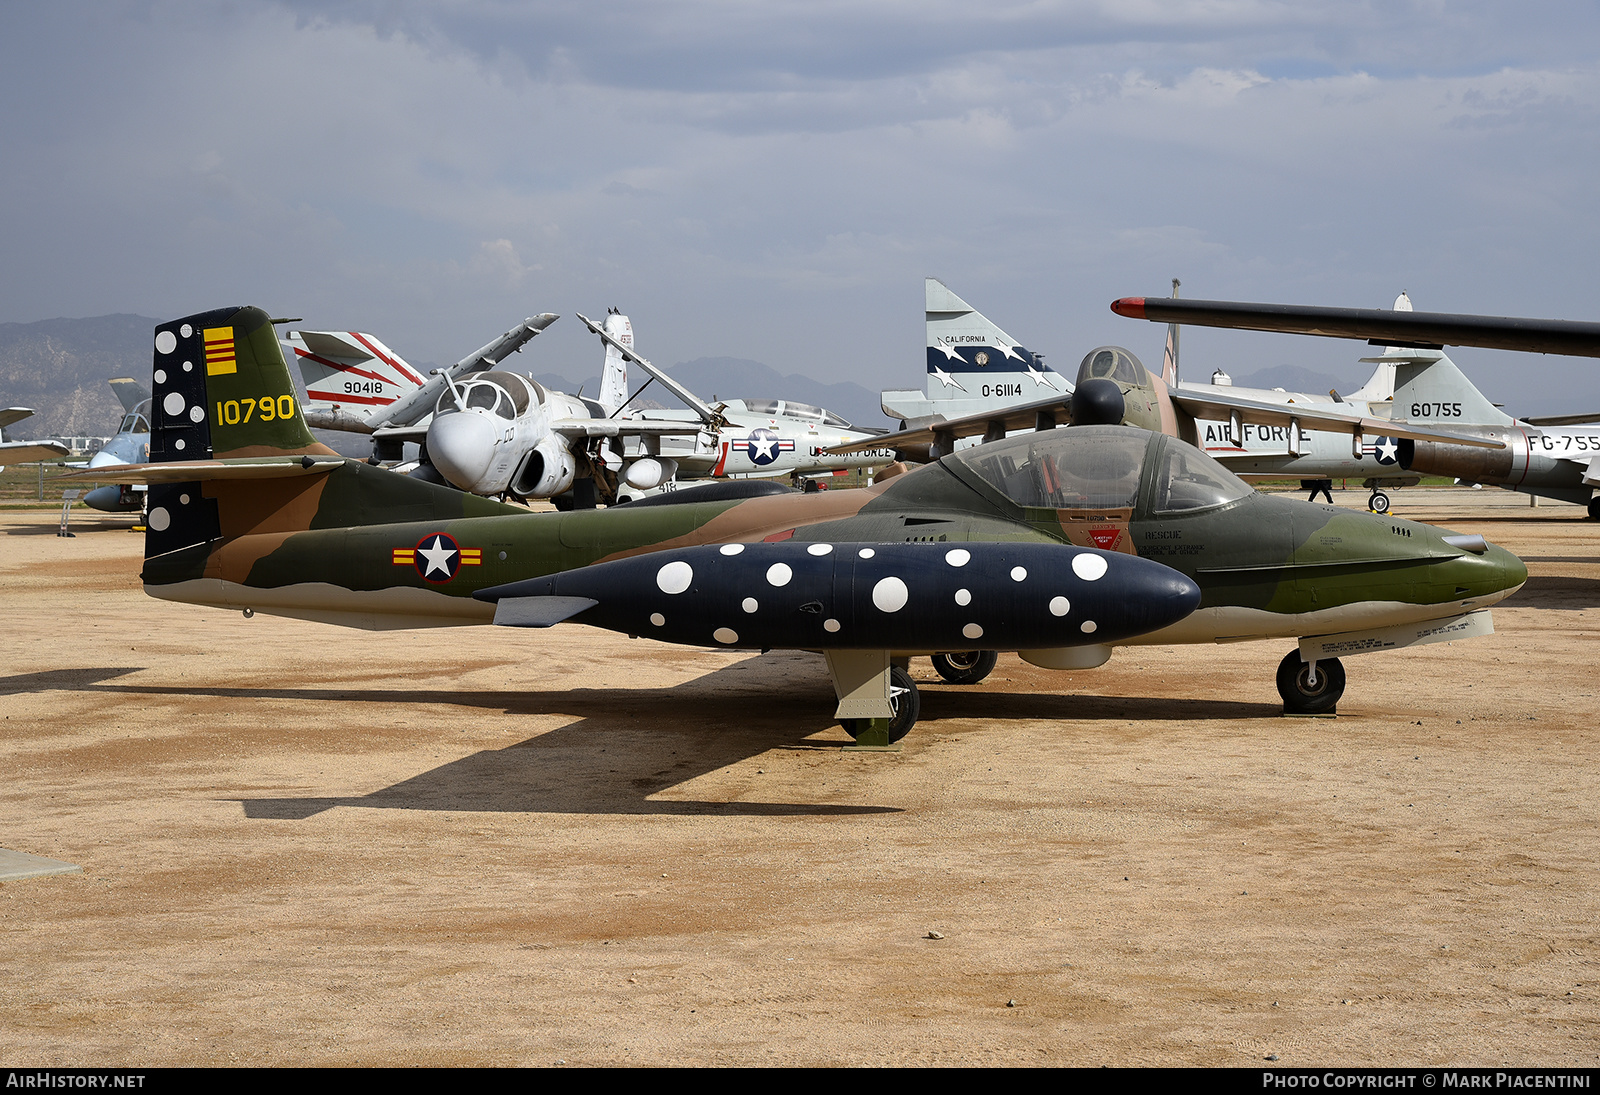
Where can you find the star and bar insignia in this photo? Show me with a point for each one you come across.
(438, 557)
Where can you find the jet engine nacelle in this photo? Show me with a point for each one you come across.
(548, 470)
(1475, 465)
(649, 472)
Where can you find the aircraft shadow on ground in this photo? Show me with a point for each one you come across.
(76, 526)
(1556, 592)
(628, 745)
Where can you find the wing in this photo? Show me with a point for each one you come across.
(576, 428)
(8, 415)
(1315, 416)
(26, 452)
(1021, 416)
(1425, 330)
(194, 471)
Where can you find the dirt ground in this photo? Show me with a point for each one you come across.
(307, 845)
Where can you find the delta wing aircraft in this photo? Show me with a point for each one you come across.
(25, 452)
(1550, 457)
(993, 548)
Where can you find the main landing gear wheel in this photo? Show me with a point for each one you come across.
(965, 666)
(1379, 502)
(1304, 696)
(903, 701)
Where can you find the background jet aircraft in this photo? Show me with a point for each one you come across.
(1552, 457)
(494, 432)
(25, 452)
(131, 445)
(1112, 385)
(1003, 546)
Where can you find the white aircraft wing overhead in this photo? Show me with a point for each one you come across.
(8, 415)
(26, 452)
(1315, 416)
(623, 427)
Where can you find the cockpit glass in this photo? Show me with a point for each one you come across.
(761, 406)
(1189, 479)
(1111, 363)
(1084, 467)
(482, 396)
(801, 410)
(831, 419)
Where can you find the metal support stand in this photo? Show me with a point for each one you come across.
(67, 498)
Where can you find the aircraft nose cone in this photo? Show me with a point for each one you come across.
(1514, 572)
(461, 446)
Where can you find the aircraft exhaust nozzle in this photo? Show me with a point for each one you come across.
(461, 445)
(1469, 462)
(890, 596)
(1098, 402)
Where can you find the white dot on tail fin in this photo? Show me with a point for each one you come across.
(179, 444)
(161, 376)
(173, 404)
(196, 414)
(188, 366)
(186, 330)
(1088, 566)
(183, 499)
(674, 577)
(160, 519)
(890, 595)
(166, 342)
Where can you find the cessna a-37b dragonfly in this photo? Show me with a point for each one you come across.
(493, 432)
(985, 550)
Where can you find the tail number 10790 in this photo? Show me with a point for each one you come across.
(265, 409)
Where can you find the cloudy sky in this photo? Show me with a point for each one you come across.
(773, 180)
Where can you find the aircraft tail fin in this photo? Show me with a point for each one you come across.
(971, 357)
(614, 374)
(130, 393)
(349, 375)
(1428, 387)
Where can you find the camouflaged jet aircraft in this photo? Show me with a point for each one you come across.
(1060, 545)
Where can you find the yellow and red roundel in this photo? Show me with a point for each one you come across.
(438, 557)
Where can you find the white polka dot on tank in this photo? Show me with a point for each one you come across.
(1088, 627)
(674, 577)
(725, 635)
(657, 619)
(1089, 566)
(732, 549)
(1060, 606)
(866, 553)
(972, 631)
(749, 604)
(963, 597)
(778, 574)
(830, 625)
(1019, 574)
(890, 595)
(819, 549)
(958, 557)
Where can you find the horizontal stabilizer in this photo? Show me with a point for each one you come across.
(539, 611)
(196, 471)
(9, 415)
(26, 452)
